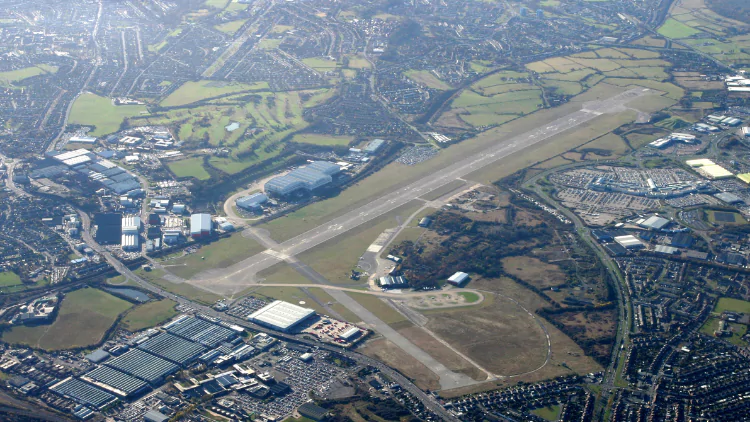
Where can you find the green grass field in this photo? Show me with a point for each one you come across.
(191, 167)
(93, 110)
(325, 140)
(550, 413)
(191, 91)
(675, 29)
(219, 254)
(14, 76)
(427, 78)
(469, 297)
(180, 289)
(321, 64)
(381, 309)
(732, 305)
(149, 314)
(8, 279)
(84, 316)
(231, 27)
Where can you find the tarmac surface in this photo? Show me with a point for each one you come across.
(243, 274)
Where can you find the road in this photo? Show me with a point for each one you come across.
(237, 277)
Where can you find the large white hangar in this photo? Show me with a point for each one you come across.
(281, 316)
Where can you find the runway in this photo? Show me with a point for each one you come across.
(238, 276)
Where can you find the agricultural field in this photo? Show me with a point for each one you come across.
(149, 314)
(191, 91)
(84, 317)
(100, 112)
(190, 167)
(13, 77)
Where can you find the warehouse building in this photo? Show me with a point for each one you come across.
(728, 197)
(144, 366)
(700, 162)
(199, 331)
(130, 242)
(131, 224)
(390, 282)
(310, 177)
(83, 393)
(200, 225)
(458, 279)
(116, 382)
(172, 348)
(252, 202)
(653, 223)
(629, 242)
(374, 146)
(714, 172)
(281, 316)
(108, 228)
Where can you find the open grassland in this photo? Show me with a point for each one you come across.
(191, 91)
(324, 140)
(231, 27)
(395, 357)
(219, 254)
(427, 78)
(8, 279)
(84, 317)
(358, 62)
(13, 77)
(191, 167)
(149, 314)
(93, 110)
(337, 257)
(181, 289)
(321, 64)
(675, 29)
(534, 271)
(378, 307)
(732, 305)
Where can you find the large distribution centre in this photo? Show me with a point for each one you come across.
(280, 315)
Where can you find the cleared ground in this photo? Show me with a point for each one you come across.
(84, 316)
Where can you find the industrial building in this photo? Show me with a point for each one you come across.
(108, 228)
(131, 224)
(130, 242)
(252, 202)
(310, 177)
(172, 348)
(116, 382)
(83, 393)
(667, 250)
(672, 138)
(200, 225)
(144, 366)
(653, 223)
(728, 197)
(199, 330)
(714, 172)
(629, 242)
(350, 334)
(389, 282)
(281, 316)
(458, 279)
(96, 169)
(374, 146)
(700, 162)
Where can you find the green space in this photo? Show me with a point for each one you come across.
(321, 64)
(728, 218)
(469, 297)
(427, 78)
(550, 413)
(9, 278)
(181, 289)
(93, 110)
(84, 317)
(191, 91)
(269, 43)
(190, 167)
(737, 330)
(376, 305)
(14, 76)
(732, 305)
(217, 4)
(357, 62)
(324, 140)
(231, 27)
(149, 314)
(219, 254)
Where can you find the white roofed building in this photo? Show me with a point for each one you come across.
(281, 316)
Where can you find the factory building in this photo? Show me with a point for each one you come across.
(728, 197)
(83, 393)
(131, 224)
(714, 172)
(310, 177)
(374, 146)
(115, 382)
(200, 225)
(252, 202)
(629, 242)
(653, 223)
(144, 366)
(130, 242)
(281, 316)
(172, 348)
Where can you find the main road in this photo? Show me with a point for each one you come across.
(239, 276)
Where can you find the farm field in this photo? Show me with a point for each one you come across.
(191, 91)
(191, 167)
(149, 314)
(93, 110)
(84, 317)
(219, 254)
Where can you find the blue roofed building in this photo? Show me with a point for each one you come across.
(252, 202)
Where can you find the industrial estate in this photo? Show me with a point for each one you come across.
(219, 210)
